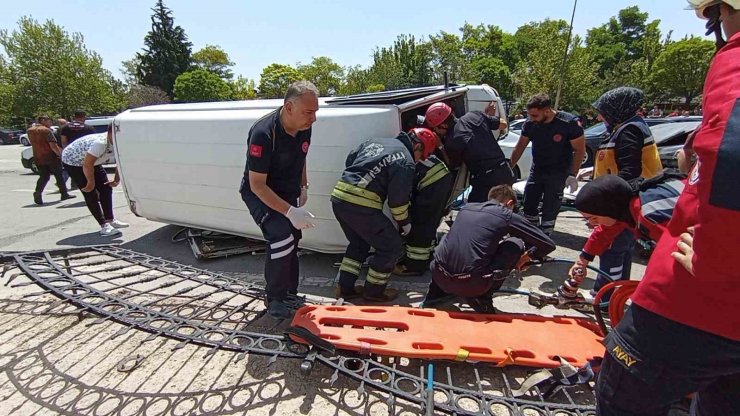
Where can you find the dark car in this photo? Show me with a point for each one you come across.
(670, 138)
(10, 136)
(597, 133)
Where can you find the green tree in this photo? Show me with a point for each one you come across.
(243, 89)
(51, 71)
(356, 81)
(214, 59)
(540, 69)
(448, 56)
(681, 68)
(143, 95)
(326, 74)
(276, 78)
(201, 85)
(167, 51)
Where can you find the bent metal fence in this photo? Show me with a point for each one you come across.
(221, 312)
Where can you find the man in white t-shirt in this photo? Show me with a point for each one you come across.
(84, 159)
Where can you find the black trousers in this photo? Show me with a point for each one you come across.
(367, 228)
(426, 212)
(652, 362)
(483, 182)
(100, 200)
(548, 188)
(281, 264)
(481, 282)
(45, 172)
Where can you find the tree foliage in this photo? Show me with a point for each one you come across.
(326, 74)
(680, 70)
(200, 85)
(243, 89)
(276, 78)
(214, 59)
(166, 54)
(51, 71)
(143, 95)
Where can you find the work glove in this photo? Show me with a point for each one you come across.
(571, 184)
(300, 218)
(405, 229)
(523, 263)
(303, 198)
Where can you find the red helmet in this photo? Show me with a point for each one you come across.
(427, 138)
(437, 113)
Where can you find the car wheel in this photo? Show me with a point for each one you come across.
(2, 142)
(25, 142)
(588, 159)
(516, 171)
(34, 168)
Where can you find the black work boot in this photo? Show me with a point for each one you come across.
(66, 196)
(37, 198)
(483, 304)
(378, 293)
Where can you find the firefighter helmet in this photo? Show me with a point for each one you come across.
(700, 6)
(427, 138)
(437, 113)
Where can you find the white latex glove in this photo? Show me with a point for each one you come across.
(571, 183)
(300, 218)
(303, 198)
(406, 229)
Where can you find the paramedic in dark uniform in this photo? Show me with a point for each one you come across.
(376, 170)
(432, 189)
(470, 139)
(630, 152)
(275, 188)
(74, 130)
(484, 245)
(681, 335)
(558, 147)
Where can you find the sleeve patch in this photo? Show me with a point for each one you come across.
(255, 150)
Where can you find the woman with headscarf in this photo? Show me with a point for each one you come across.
(630, 153)
(612, 206)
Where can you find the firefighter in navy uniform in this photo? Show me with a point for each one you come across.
(432, 188)
(558, 147)
(470, 139)
(486, 242)
(275, 187)
(376, 170)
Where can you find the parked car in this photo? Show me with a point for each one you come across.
(597, 133)
(670, 138)
(26, 142)
(507, 143)
(516, 125)
(10, 136)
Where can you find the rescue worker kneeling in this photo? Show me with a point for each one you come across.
(484, 245)
(376, 170)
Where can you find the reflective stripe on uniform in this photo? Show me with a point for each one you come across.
(377, 278)
(418, 253)
(281, 254)
(433, 175)
(350, 266)
(356, 195)
(282, 243)
(400, 213)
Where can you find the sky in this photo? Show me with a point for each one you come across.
(256, 34)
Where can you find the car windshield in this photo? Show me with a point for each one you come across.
(595, 130)
(665, 132)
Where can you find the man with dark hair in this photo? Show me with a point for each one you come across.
(46, 155)
(76, 129)
(484, 244)
(275, 188)
(470, 139)
(558, 147)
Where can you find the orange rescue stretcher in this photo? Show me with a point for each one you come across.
(502, 339)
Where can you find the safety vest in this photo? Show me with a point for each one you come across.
(606, 156)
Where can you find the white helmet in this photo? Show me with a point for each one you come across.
(701, 5)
